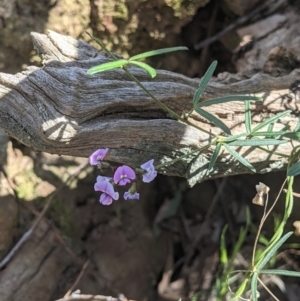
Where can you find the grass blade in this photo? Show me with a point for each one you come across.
(217, 122)
(270, 120)
(248, 120)
(239, 157)
(294, 170)
(257, 142)
(219, 100)
(205, 79)
(156, 52)
(107, 66)
(146, 67)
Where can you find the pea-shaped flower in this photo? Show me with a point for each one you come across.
(131, 196)
(97, 156)
(124, 175)
(150, 172)
(108, 193)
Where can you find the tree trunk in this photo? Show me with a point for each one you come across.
(60, 109)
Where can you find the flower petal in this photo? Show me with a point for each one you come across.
(100, 186)
(150, 172)
(130, 196)
(123, 175)
(97, 156)
(148, 164)
(102, 178)
(129, 172)
(105, 199)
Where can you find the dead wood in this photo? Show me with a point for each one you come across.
(60, 109)
(33, 273)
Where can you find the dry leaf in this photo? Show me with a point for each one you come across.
(261, 189)
(296, 224)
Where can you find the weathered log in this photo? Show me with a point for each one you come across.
(60, 109)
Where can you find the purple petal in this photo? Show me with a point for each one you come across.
(129, 172)
(148, 165)
(130, 196)
(105, 199)
(97, 156)
(107, 189)
(151, 173)
(123, 175)
(102, 178)
(124, 182)
(100, 186)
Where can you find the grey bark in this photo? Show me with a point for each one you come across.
(60, 109)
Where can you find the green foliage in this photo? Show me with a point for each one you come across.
(262, 134)
(133, 61)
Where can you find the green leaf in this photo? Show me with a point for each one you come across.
(233, 138)
(270, 128)
(197, 96)
(269, 133)
(248, 121)
(107, 66)
(270, 120)
(294, 170)
(214, 157)
(292, 135)
(146, 67)
(223, 250)
(204, 81)
(257, 142)
(156, 52)
(281, 272)
(228, 99)
(297, 127)
(239, 157)
(217, 122)
(240, 289)
(274, 249)
(254, 286)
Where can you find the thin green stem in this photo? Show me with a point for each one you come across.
(162, 105)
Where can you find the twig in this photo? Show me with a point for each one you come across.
(79, 297)
(266, 288)
(28, 233)
(297, 195)
(233, 25)
(68, 293)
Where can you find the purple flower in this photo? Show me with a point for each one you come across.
(124, 175)
(131, 196)
(98, 156)
(101, 178)
(108, 194)
(150, 173)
